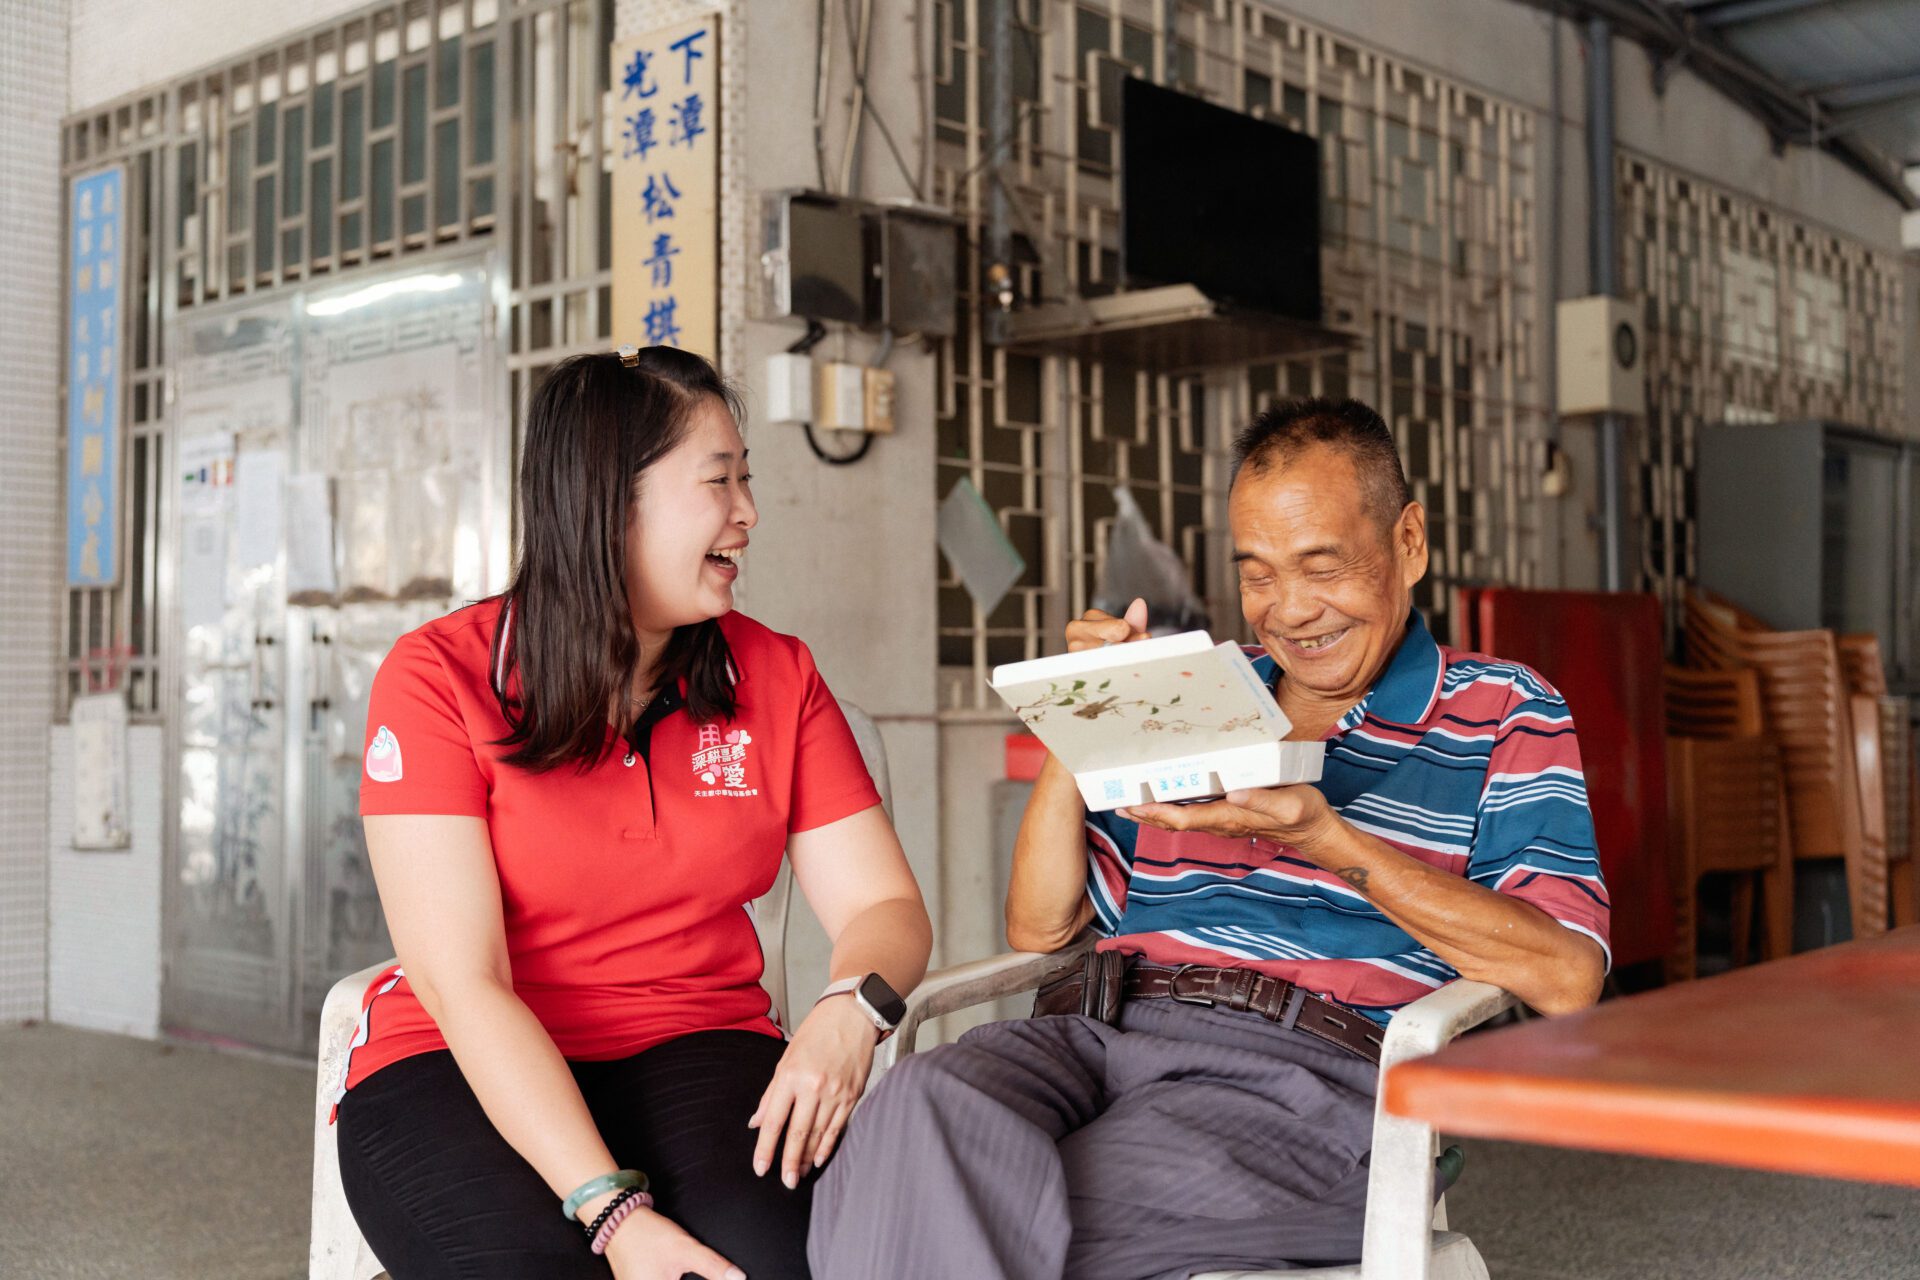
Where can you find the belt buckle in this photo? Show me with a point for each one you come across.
(1173, 989)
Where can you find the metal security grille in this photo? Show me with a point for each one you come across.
(1428, 229)
(354, 143)
(1751, 315)
(373, 139)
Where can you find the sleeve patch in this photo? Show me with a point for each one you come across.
(383, 757)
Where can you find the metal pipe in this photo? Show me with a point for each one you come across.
(1556, 210)
(998, 83)
(1602, 249)
(1600, 241)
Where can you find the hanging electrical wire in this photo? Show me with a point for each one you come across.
(822, 74)
(923, 98)
(863, 105)
(804, 345)
(857, 46)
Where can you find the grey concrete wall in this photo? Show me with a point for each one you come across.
(842, 556)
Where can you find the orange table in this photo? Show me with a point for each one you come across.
(1808, 1065)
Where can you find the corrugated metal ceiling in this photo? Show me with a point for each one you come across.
(1839, 74)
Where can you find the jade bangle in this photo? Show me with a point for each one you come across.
(600, 1186)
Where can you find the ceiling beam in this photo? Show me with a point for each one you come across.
(1667, 31)
(1855, 119)
(1860, 93)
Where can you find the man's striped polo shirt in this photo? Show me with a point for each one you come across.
(1460, 760)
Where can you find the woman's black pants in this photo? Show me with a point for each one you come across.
(439, 1194)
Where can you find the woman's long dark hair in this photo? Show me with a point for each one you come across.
(593, 427)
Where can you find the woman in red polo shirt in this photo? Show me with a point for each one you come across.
(573, 791)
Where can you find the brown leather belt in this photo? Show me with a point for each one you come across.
(1242, 990)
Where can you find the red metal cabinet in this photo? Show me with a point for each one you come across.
(1603, 651)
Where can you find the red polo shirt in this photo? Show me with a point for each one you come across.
(626, 888)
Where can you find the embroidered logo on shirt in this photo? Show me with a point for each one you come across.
(383, 756)
(721, 761)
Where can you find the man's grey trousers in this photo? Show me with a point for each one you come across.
(1185, 1139)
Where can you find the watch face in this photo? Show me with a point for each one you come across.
(882, 999)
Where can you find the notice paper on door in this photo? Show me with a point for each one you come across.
(100, 771)
(310, 577)
(203, 571)
(258, 505)
(206, 474)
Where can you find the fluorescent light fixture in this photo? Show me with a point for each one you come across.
(382, 291)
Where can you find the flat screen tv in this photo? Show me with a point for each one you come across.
(1220, 200)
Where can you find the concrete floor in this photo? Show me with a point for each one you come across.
(123, 1158)
(126, 1158)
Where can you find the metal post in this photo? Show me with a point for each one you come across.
(1602, 249)
(998, 85)
(1600, 243)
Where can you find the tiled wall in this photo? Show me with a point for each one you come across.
(103, 945)
(123, 46)
(33, 90)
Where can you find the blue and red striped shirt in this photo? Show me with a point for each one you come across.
(1465, 762)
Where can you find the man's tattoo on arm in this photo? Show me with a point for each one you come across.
(1355, 876)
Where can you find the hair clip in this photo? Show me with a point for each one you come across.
(629, 355)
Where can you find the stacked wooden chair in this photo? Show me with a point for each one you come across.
(1885, 763)
(1807, 708)
(1727, 811)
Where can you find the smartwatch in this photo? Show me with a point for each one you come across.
(880, 1002)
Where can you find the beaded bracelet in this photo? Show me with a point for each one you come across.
(627, 1208)
(600, 1186)
(593, 1228)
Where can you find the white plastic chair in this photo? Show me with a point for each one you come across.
(1403, 1240)
(336, 1250)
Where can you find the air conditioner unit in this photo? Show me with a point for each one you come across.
(1602, 358)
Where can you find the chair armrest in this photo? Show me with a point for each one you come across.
(976, 982)
(1401, 1214)
(1429, 1023)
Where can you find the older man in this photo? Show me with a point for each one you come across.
(1201, 1096)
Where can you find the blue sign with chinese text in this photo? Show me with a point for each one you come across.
(94, 291)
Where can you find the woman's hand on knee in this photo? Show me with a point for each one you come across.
(650, 1247)
(820, 1077)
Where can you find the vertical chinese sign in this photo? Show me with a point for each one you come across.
(666, 188)
(94, 285)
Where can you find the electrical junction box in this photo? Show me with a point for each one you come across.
(790, 388)
(1602, 364)
(840, 396)
(919, 256)
(821, 261)
(871, 265)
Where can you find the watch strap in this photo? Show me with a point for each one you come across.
(841, 987)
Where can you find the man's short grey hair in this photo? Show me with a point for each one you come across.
(1279, 435)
